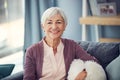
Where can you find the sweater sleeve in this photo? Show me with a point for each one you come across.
(29, 66)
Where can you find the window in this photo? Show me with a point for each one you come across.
(12, 32)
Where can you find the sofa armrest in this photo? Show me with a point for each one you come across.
(16, 76)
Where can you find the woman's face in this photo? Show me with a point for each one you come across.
(54, 27)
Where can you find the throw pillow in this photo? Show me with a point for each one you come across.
(6, 70)
(84, 44)
(94, 70)
(104, 52)
(113, 69)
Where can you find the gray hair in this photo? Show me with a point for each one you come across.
(52, 11)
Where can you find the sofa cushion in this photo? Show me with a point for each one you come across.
(104, 52)
(84, 44)
(113, 69)
(6, 69)
(16, 76)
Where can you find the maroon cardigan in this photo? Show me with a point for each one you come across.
(35, 53)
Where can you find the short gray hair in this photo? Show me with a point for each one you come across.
(52, 11)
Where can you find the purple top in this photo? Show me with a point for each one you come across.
(35, 53)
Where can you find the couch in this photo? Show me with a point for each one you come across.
(6, 70)
(108, 55)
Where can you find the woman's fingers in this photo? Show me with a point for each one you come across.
(82, 75)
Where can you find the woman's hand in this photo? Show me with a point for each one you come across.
(82, 75)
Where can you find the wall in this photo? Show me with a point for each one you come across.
(73, 10)
(112, 31)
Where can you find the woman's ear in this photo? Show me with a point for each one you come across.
(42, 27)
(65, 26)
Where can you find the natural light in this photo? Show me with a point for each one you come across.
(12, 33)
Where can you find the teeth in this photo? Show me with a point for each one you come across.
(54, 31)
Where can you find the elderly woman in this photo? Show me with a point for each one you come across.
(50, 58)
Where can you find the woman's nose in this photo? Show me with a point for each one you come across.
(54, 26)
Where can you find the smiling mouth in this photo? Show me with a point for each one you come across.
(54, 32)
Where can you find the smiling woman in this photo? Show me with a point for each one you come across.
(50, 58)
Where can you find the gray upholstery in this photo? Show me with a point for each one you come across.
(17, 76)
(104, 52)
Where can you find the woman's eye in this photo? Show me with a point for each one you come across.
(59, 22)
(49, 22)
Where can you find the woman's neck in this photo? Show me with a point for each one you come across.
(52, 43)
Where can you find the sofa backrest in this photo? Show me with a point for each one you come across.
(104, 52)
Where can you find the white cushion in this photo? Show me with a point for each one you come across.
(94, 70)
